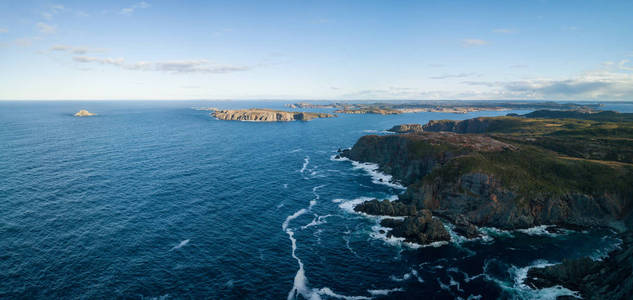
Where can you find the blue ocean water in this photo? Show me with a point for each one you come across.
(157, 200)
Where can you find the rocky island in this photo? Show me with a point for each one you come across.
(84, 113)
(567, 168)
(267, 115)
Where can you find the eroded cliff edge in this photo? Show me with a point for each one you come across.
(513, 172)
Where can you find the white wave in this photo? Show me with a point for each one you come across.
(491, 232)
(377, 131)
(406, 276)
(349, 205)
(602, 253)
(341, 158)
(443, 286)
(520, 290)
(318, 220)
(180, 245)
(384, 292)
(542, 230)
(295, 150)
(285, 185)
(377, 176)
(306, 161)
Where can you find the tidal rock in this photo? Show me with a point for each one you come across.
(84, 113)
(386, 208)
(464, 227)
(421, 228)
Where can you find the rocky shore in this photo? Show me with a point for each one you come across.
(514, 172)
(267, 115)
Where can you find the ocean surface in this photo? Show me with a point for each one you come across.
(157, 200)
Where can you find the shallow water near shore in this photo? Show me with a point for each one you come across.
(155, 199)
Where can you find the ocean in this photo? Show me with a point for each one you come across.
(158, 200)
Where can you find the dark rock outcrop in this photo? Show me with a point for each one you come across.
(421, 228)
(406, 128)
(611, 278)
(386, 208)
(477, 125)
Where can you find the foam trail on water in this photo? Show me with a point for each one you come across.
(377, 176)
(306, 161)
(180, 245)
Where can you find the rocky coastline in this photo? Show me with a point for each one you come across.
(510, 173)
(267, 115)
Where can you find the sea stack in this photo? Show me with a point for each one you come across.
(84, 113)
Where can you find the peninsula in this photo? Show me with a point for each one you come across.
(267, 115)
(566, 168)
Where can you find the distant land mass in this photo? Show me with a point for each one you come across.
(267, 115)
(573, 169)
(458, 107)
(84, 113)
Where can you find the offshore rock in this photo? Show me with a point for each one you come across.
(386, 208)
(84, 113)
(421, 228)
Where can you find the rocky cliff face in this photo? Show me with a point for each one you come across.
(477, 125)
(266, 115)
(451, 174)
(406, 128)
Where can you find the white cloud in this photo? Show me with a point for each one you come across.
(505, 30)
(75, 50)
(46, 28)
(460, 75)
(52, 11)
(473, 42)
(131, 9)
(174, 66)
(625, 65)
(24, 42)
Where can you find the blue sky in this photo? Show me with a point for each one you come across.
(339, 50)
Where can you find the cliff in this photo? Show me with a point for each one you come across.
(84, 113)
(516, 172)
(267, 115)
(511, 178)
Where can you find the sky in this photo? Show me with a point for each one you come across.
(316, 50)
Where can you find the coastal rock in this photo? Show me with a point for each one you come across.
(267, 115)
(610, 278)
(477, 125)
(421, 228)
(494, 183)
(84, 113)
(406, 128)
(386, 208)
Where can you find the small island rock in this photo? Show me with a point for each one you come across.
(84, 113)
